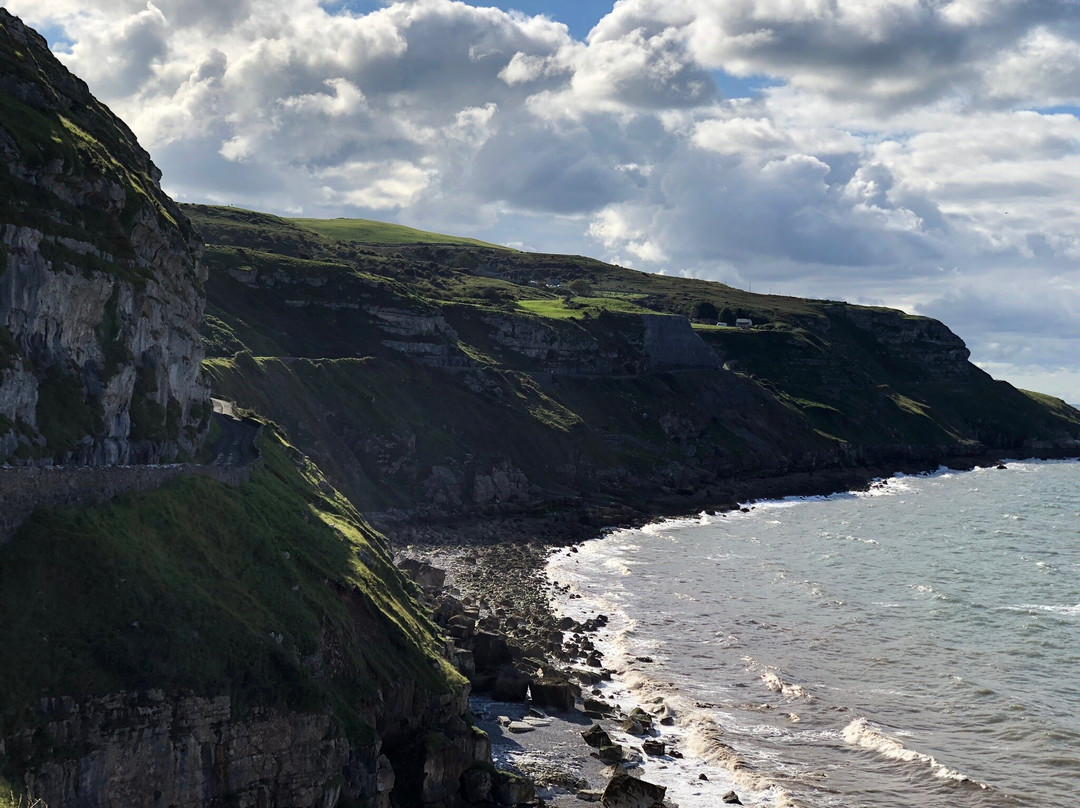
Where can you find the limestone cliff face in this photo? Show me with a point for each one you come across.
(918, 341)
(101, 289)
(150, 748)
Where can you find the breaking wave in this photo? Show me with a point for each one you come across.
(862, 734)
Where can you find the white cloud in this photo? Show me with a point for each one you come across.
(903, 152)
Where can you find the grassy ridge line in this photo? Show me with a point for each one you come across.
(369, 231)
(197, 587)
(322, 245)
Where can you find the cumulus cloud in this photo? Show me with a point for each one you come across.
(905, 152)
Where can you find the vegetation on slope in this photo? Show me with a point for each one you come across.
(549, 373)
(275, 593)
(366, 231)
(55, 127)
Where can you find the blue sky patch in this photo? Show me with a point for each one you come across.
(1063, 109)
(56, 37)
(748, 87)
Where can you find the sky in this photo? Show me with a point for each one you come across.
(920, 154)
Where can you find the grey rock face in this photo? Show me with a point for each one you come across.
(925, 343)
(147, 749)
(152, 748)
(100, 284)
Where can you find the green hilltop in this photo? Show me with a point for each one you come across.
(368, 231)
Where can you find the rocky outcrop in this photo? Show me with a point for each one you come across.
(476, 485)
(146, 749)
(919, 342)
(150, 748)
(100, 282)
(562, 347)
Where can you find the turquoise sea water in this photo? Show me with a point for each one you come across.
(916, 644)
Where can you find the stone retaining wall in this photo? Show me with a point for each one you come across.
(24, 489)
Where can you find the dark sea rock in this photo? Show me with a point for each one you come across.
(625, 791)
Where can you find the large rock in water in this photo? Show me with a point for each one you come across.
(624, 791)
(101, 289)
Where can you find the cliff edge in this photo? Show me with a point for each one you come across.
(101, 289)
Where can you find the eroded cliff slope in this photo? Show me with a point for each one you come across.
(435, 380)
(101, 289)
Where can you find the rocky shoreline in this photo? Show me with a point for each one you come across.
(539, 680)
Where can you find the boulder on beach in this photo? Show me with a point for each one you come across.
(612, 753)
(625, 791)
(642, 717)
(461, 626)
(512, 789)
(654, 748)
(510, 685)
(557, 694)
(731, 798)
(422, 573)
(596, 737)
(596, 708)
(489, 650)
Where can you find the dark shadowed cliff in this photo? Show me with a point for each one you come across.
(188, 643)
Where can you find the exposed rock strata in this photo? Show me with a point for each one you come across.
(100, 284)
(144, 749)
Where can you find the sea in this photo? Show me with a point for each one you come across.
(915, 644)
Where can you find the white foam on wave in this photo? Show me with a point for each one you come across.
(858, 539)
(861, 733)
(703, 741)
(774, 683)
(1065, 610)
(696, 733)
(786, 689)
(887, 488)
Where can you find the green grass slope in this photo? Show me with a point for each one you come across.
(276, 593)
(367, 231)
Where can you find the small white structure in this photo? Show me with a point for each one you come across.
(744, 322)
